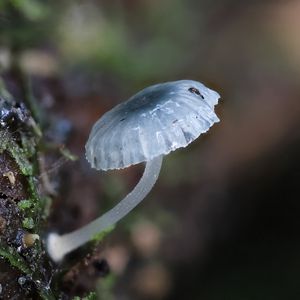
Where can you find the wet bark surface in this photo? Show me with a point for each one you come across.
(25, 272)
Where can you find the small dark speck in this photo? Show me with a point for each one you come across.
(95, 161)
(196, 91)
(175, 121)
(122, 119)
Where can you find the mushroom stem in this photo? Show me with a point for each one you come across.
(60, 245)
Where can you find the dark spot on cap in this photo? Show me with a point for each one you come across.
(196, 91)
(95, 161)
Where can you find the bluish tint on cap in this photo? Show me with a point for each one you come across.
(154, 122)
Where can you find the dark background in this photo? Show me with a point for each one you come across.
(223, 220)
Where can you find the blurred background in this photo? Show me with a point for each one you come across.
(223, 220)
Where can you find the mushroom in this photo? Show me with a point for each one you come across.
(151, 124)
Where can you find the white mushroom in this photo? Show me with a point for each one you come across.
(151, 124)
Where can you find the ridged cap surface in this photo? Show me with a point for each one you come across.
(155, 121)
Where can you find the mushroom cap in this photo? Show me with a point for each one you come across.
(155, 121)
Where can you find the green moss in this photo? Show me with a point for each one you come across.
(28, 146)
(35, 199)
(23, 152)
(32, 206)
(14, 259)
(8, 144)
(20, 157)
(28, 223)
(24, 204)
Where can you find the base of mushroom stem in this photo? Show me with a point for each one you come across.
(55, 247)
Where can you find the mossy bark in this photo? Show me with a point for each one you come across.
(25, 270)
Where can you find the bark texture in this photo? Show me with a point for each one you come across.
(25, 270)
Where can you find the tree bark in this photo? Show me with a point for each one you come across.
(25, 270)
